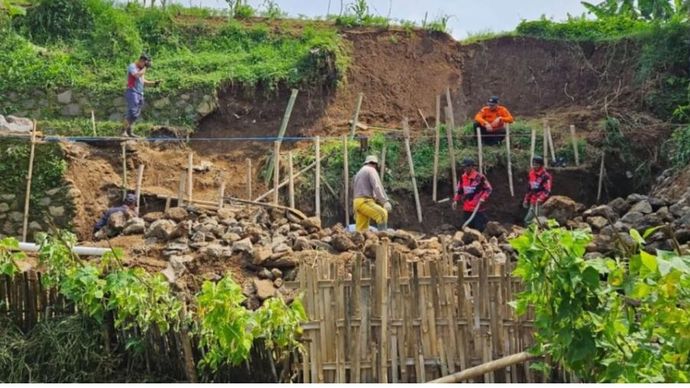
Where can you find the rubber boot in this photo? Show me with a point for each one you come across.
(124, 133)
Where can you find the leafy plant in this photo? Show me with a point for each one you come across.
(273, 11)
(680, 147)
(280, 326)
(10, 255)
(438, 25)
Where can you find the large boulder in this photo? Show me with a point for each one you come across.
(604, 211)
(134, 226)
(494, 229)
(560, 208)
(176, 214)
(643, 207)
(619, 205)
(161, 229)
(633, 219)
(342, 243)
(264, 288)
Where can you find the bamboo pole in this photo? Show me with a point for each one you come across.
(346, 181)
(552, 149)
(383, 162)
(451, 148)
(510, 165)
(545, 142)
(601, 176)
(29, 176)
(480, 151)
(221, 195)
(180, 189)
(479, 370)
(190, 171)
(124, 171)
(249, 179)
(317, 180)
(291, 184)
(93, 123)
(276, 171)
(355, 117)
(532, 147)
(283, 129)
(406, 131)
(451, 115)
(573, 138)
(287, 181)
(137, 192)
(437, 145)
(426, 123)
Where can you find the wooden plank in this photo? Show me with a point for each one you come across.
(355, 117)
(190, 178)
(181, 189)
(552, 149)
(124, 171)
(340, 332)
(291, 184)
(406, 131)
(394, 357)
(437, 144)
(93, 123)
(356, 312)
(573, 139)
(451, 148)
(221, 195)
(462, 342)
(510, 164)
(276, 172)
(249, 178)
(137, 190)
(317, 179)
(382, 297)
(29, 176)
(346, 181)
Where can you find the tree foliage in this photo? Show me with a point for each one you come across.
(645, 9)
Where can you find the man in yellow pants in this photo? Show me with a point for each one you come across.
(370, 200)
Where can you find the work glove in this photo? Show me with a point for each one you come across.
(489, 127)
(454, 205)
(388, 206)
(525, 204)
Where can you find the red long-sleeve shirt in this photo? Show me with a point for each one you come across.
(472, 188)
(539, 186)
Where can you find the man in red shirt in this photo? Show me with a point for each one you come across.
(539, 189)
(473, 189)
(491, 121)
(134, 95)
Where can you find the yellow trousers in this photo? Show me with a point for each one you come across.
(366, 209)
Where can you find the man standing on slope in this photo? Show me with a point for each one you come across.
(134, 95)
(473, 189)
(491, 121)
(539, 189)
(370, 200)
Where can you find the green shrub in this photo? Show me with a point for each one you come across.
(680, 147)
(580, 28)
(244, 11)
(56, 20)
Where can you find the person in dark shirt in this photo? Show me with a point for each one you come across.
(127, 207)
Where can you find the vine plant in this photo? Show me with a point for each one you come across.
(606, 320)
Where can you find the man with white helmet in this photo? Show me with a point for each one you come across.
(370, 200)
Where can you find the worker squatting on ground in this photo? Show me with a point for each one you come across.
(539, 189)
(370, 200)
(491, 121)
(127, 208)
(473, 189)
(134, 95)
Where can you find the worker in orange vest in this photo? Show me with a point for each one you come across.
(473, 189)
(491, 121)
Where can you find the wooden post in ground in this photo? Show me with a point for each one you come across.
(93, 123)
(451, 115)
(437, 145)
(451, 148)
(406, 132)
(355, 117)
(29, 176)
(382, 291)
(510, 164)
(291, 184)
(190, 179)
(283, 128)
(221, 195)
(382, 169)
(426, 123)
(573, 138)
(545, 140)
(124, 171)
(137, 192)
(180, 189)
(317, 179)
(480, 151)
(249, 179)
(552, 149)
(276, 171)
(601, 176)
(532, 147)
(346, 181)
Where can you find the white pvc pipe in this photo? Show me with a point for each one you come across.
(81, 251)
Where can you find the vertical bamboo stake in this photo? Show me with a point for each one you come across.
(383, 162)
(276, 171)
(190, 181)
(93, 123)
(545, 141)
(574, 141)
(346, 181)
(124, 171)
(451, 115)
(451, 148)
(601, 176)
(27, 197)
(355, 118)
(406, 131)
(137, 192)
(480, 151)
(291, 182)
(317, 179)
(510, 165)
(552, 149)
(249, 179)
(437, 144)
(221, 195)
(532, 147)
(180, 189)
(283, 129)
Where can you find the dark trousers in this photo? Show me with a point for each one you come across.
(490, 138)
(478, 222)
